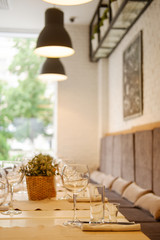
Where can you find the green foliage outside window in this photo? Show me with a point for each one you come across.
(26, 101)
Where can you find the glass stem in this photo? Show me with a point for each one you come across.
(74, 207)
(11, 201)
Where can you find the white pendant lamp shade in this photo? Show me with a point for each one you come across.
(54, 41)
(67, 2)
(52, 70)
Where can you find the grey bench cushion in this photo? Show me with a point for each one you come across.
(137, 215)
(115, 197)
(152, 230)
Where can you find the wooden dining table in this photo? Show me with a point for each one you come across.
(45, 220)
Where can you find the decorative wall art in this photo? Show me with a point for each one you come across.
(132, 79)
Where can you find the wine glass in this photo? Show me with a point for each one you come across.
(75, 179)
(3, 186)
(14, 177)
(61, 165)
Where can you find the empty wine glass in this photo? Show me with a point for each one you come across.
(61, 165)
(75, 179)
(3, 186)
(14, 177)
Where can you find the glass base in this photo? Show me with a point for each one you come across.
(76, 223)
(11, 212)
(66, 197)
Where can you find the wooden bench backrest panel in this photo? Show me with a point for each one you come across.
(117, 155)
(156, 161)
(133, 156)
(109, 154)
(103, 155)
(143, 159)
(128, 157)
(106, 155)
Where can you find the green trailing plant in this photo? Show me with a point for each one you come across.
(104, 16)
(95, 30)
(41, 165)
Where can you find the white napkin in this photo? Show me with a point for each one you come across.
(111, 227)
(87, 199)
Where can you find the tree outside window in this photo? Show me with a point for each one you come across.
(26, 104)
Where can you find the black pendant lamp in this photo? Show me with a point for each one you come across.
(52, 70)
(54, 41)
(67, 2)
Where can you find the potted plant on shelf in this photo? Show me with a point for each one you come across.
(95, 38)
(104, 22)
(40, 177)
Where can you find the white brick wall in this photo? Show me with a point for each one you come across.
(77, 122)
(149, 23)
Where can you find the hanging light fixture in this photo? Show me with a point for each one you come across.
(54, 41)
(67, 2)
(52, 70)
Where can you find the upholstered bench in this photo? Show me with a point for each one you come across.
(136, 204)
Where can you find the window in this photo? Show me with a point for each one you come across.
(26, 104)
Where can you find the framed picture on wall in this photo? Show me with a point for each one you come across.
(132, 79)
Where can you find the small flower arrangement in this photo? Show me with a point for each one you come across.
(41, 165)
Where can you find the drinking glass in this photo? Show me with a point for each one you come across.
(112, 209)
(97, 196)
(14, 177)
(75, 179)
(61, 165)
(3, 186)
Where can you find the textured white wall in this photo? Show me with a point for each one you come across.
(77, 106)
(149, 23)
(102, 96)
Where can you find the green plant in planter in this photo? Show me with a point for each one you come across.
(104, 16)
(41, 165)
(95, 30)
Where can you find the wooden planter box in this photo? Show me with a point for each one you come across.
(40, 187)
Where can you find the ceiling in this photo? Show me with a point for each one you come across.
(28, 15)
